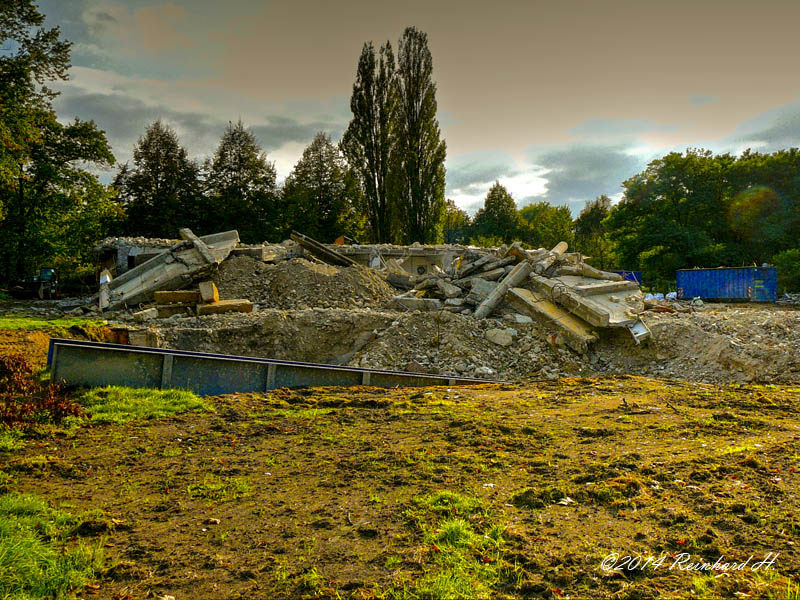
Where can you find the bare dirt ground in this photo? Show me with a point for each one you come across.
(327, 493)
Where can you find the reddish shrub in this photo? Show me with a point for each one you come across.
(25, 401)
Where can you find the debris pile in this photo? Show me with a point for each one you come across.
(550, 285)
(202, 301)
(298, 283)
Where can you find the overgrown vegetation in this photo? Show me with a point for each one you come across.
(40, 556)
(29, 323)
(25, 401)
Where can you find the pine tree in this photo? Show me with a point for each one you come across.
(243, 187)
(320, 193)
(161, 192)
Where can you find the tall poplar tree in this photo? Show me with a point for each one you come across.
(420, 149)
(370, 140)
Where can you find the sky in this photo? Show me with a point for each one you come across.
(559, 100)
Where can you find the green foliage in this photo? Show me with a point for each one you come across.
(321, 195)
(21, 322)
(591, 233)
(466, 557)
(242, 186)
(10, 439)
(220, 489)
(498, 218)
(455, 228)
(544, 226)
(788, 265)
(420, 149)
(369, 142)
(700, 210)
(115, 404)
(161, 191)
(37, 557)
(50, 206)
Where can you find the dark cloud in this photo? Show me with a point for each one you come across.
(279, 130)
(602, 128)
(581, 172)
(124, 119)
(772, 130)
(476, 169)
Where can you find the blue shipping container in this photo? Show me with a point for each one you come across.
(755, 284)
(630, 276)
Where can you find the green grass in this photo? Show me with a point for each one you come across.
(122, 404)
(37, 558)
(10, 439)
(465, 558)
(26, 323)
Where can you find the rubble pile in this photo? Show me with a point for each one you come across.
(440, 343)
(713, 343)
(554, 287)
(298, 284)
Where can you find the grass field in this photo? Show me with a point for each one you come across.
(502, 492)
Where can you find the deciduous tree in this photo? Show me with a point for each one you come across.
(369, 141)
(420, 150)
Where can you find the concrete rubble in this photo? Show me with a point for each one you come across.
(504, 313)
(552, 286)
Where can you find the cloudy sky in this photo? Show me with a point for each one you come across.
(559, 100)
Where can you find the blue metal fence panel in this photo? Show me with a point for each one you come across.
(630, 276)
(755, 284)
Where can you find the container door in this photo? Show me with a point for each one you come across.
(759, 293)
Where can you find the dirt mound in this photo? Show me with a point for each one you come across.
(299, 284)
(439, 343)
(718, 343)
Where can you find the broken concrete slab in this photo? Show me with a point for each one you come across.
(501, 337)
(170, 270)
(557, 291)
(147, 314)
(480, 290)
(449, 290)
(516, 276)
(322, 252)
(606, 287)
(223, 306)
(579, 332)
(414, 303)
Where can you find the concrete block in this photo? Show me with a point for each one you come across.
(209, 292)
(223, 306)
(147, 314)
(412, 303)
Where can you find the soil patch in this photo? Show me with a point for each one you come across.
(321, 492)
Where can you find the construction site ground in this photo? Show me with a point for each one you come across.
(683, 449)
(494, 491)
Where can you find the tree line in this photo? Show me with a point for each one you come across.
(383, 182)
